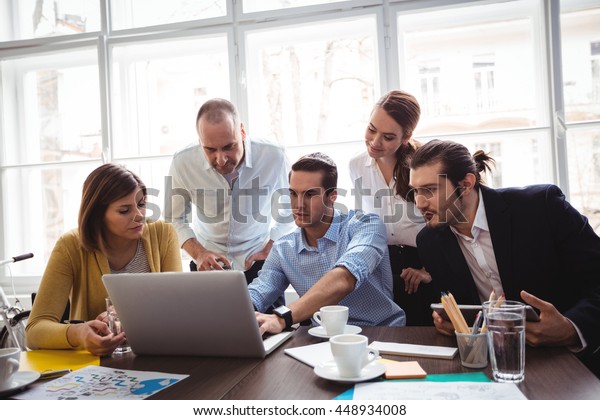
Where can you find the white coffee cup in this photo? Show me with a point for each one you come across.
(332, 318)
(9, 365)
(351, 353)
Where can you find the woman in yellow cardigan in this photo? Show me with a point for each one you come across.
(113, 237)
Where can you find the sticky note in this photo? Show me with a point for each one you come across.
(402, 370)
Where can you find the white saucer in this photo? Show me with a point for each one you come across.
(20, 380)
(329, 370)
(320, 331)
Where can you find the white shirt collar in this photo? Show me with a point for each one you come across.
(480, 216)
(480, 223)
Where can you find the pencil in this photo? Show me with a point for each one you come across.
(449, 311)
(454, 313)
(461, 318)
(490, 299)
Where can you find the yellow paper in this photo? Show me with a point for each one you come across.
(44, 360)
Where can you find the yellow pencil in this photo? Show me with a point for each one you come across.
(452, 315)
(461, 319)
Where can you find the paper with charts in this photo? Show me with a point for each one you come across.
(102, 383)
(423, 390)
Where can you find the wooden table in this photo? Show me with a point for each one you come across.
(550, 373)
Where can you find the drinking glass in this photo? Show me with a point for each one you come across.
(505, 321)
(114, 324)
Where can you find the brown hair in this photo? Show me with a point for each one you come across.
(316, 162)
(405, 110)
(103, 186)
(456, 160)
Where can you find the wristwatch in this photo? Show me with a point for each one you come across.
(285, 313)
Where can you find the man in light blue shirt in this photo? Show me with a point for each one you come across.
(234, 184)
(332, 258)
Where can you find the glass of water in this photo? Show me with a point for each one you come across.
(505, 322)
(114, 324)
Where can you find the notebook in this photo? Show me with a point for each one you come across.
(203, 313)
(311, 354)
(402, 349)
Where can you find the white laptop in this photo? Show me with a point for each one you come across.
(204, 313)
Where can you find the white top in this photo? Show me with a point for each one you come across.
(234, 220)
(401, 218)
(479, 254)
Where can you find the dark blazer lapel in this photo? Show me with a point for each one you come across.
(465, 289)
(499, 222)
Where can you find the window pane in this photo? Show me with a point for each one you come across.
(580, 31)
(25, 19)
(55, 113)
(137, 13)
(584, 172)
(474, 68)
(262, 5)
(158, 89)
(521, 158)
(46, 210)
(312, 83)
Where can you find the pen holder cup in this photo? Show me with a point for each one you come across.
(473, 349)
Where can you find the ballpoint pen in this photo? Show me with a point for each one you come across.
(50, 374)
(475, 343)
(475, 329)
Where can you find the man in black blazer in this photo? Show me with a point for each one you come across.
(528, 243)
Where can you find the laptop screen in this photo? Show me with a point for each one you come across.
(205, 313)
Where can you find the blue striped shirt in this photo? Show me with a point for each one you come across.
(356, 241)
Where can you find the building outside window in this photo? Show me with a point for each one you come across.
(483, 76)
(429, 74)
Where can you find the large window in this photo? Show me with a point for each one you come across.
(89, 81)
(580, 29)
(50, 122)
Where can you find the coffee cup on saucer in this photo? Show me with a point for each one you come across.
(332, 318)
(351, 354)
(9, 365)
